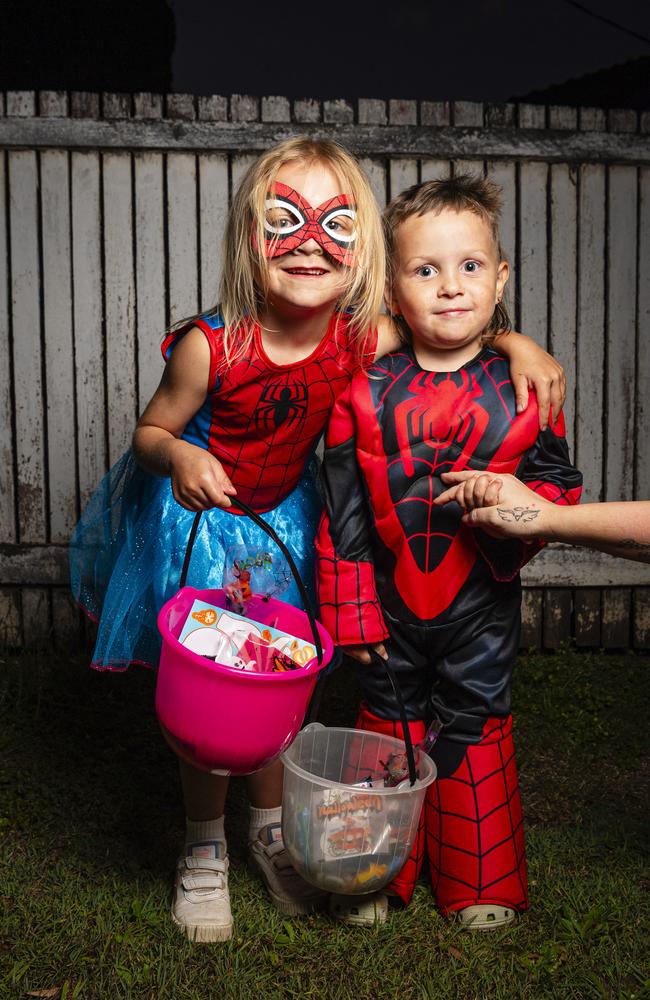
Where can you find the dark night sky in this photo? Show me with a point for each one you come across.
(483, 50)
(488, 50)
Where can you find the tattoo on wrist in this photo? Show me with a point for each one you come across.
(518, 513)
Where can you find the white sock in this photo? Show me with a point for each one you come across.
(262, 817)
(208, 829)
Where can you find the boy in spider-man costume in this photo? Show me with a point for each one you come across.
(404, 577)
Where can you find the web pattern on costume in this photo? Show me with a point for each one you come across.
(264, 420)
(471, 826)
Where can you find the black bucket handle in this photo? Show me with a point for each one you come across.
(255, 517)
(382, 664)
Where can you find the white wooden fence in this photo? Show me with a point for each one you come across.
(112, 209)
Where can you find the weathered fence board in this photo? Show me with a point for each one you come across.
(88, 321)
(7, 495)
(562, 282)
(183, 236)
(59, 350)
(213, 210)
(119, 283)
(26, 314)
(116, 209)
(533, 264)
(149, 270)
(620, 332)
(642, 433)
(590, 400)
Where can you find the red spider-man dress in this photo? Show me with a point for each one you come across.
(391, 566)
(262, 421)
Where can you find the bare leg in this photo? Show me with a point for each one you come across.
(204, 793)
(265, 786)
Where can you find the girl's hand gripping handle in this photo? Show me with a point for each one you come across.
(199, 480)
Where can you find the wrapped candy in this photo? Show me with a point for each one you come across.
(249, 571)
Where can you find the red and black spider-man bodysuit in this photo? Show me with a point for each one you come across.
(392, 566)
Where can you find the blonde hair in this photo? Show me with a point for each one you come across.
(245, 274)
(462, 193)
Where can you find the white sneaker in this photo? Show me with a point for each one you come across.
(201, 905)
(485, 917)
(363, 911)
(288, 890)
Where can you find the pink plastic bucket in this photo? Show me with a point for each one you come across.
(224, 720)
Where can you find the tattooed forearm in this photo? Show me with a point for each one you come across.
(518, 513)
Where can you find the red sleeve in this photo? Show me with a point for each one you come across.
(347, 594)
(547, 469)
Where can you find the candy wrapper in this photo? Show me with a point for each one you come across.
(249, 571)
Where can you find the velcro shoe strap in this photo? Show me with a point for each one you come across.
(202, 882)
(207, 864)
(277, 855)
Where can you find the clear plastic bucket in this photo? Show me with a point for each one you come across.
(341, 836)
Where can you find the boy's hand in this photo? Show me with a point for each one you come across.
(471, 489)
(532, 368)
(199, 481)
(361, 654)
(502, 505)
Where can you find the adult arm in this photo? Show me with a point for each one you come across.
(198, 479)
(504, 507)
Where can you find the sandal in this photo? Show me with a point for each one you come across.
(485, 916)
(362, 911)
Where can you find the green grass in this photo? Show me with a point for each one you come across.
(91, 822)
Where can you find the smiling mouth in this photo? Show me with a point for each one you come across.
(306, 272)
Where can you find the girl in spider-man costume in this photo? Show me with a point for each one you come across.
(244, 398)
(407, 578)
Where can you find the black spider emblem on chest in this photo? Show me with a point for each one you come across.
(281, 404)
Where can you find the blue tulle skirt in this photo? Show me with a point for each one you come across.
(128, 549)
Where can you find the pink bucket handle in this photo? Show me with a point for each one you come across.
(261, 523)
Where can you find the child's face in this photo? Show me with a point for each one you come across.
(307, 278)
(448, 280)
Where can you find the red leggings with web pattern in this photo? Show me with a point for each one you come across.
(471, 825)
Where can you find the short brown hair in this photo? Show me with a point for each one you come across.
(462, 193)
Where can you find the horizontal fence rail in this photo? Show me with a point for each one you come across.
(112, 212)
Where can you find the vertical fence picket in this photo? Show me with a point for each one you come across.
(402, 173)
(562, 298)
(7, 485)
(239, 164)
(621, 333)
(590, 354)
(433, 170)
(533, 262)
(183, 236)
(375, 171)
(642, 429)
(26, 319)
(88, 321)
(57, 319)
(505, 175)
(149, 270)
(119, 302)
(213, 179)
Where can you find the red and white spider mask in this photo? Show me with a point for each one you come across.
(289, 221)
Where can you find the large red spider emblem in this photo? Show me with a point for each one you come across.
(439, 414)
